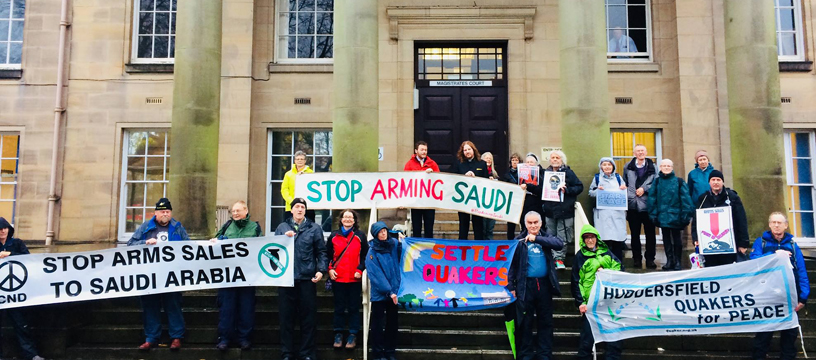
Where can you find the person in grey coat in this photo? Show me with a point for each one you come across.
(611, 224)
(639, 175)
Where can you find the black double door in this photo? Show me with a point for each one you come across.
(447, 116)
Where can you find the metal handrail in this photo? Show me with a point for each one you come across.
(580, 221)
(366, 312)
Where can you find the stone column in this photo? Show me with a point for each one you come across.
(584, 87)
(752, 66)
(356, 86)
(196, 114)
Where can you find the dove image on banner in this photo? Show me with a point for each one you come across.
(455, 275)
(715, 231)
(169, 266)
(750, 296)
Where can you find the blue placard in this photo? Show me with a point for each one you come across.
(611, 199)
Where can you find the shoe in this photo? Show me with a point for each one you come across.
(559, 264)
(637, 265)
(246, 345)
(222, 346)
(147, 346)
(175, 345)
(307, 358)
(37, 357)
(351, 342)
(338, 340)
(651, 265)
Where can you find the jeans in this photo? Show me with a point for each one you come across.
(564, 229)
(787, 344)
(347, 297)
(464, 226)
(537, 300)
(636, 219)
(151, 314)
(236, 316)
(420, 216)
(19, 321)
(585, 342)
(489, 224)
(298, 304)
(384, 325)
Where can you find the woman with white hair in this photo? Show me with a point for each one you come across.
(560, 215)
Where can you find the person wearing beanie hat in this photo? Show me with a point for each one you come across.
(11, 246)
(161, 227)
(720, 196)
(698, 177)
(383, 266)
(299, 303)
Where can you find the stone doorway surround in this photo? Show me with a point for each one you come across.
(404, 26)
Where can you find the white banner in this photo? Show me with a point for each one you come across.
(715, 231)
(412, 189)
(169, 266)
(750, 296)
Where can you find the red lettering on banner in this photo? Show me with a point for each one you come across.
(405, 191)
(392, 187)
(454, 277)
(428, 273)
(487, 256)
(477, 271)
(425, 189)
(449, 253)
(438, 252)
(464, 252)
(503, 277)
(500, 252)
(463, 275)
(378, 189)
(435, 196)
(490, 276)
(477, 251)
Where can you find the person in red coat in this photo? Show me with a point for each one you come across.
(347, 249)
(421, 162)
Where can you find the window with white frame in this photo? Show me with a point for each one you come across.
(799, 146)
(283, 144)
(789, 35)
(12, 13)
(628, 30)
(305, 31)
(145, 176)
(9, 171)
(154, 31)
(624, 141)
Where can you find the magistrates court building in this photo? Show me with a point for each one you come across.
(449, 70)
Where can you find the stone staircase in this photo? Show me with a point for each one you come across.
(446, 226)
(111, 329)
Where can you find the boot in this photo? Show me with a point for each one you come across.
(678, 256)
(670, 260)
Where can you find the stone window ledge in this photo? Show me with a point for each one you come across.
(11, 74)
(149, 68)
(795, 66)
(471, 15)
(617, 67)
(300, 68)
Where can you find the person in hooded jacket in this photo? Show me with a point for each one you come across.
(593, 256)
(698, 177)
(671, 209)
(720, 196)
(611, 223)
(639, 175)
(347, 249)
(533, 281)
(776, 240)
(299, 303)
(383, 264)
(236, 306)
(11, 246)
(288, 184)
(511, 176)
(560, 216)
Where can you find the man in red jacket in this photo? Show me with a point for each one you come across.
(421, 162)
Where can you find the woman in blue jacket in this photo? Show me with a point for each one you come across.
(382, 264)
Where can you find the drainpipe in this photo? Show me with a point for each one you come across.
(59, 110)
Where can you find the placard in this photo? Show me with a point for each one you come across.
(715, 232)
(611, 200)
(552, 182)
(528, 174)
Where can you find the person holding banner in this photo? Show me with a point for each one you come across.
(11, 246)
(511, 176)
(640, 174)
(721, 196)
(288, 185)
(470, 165)
(299, 303)
(611, 223)
(533, 281)
(421, 162)
(773, 241)
(489, 224)
(161, 227)
(236, 306)
(594, 256)
(671, 209)
(560, 215)
(383, 264)
(347, 249)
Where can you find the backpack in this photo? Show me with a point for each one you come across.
(617, 176)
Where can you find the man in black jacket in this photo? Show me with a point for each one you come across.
(300, 301)
(10, 246)
(720, 196)
(639, 175)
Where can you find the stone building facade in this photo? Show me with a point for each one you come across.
(491, 62)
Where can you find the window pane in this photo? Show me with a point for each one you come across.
(5, 9)
(802, 171)
(305, 46)
(325, 5)
(325, 47)
(4, 29)
(156, 143)
(469, 64)
(304, 5)
(323, 142)
(291, 43)
(787, 44)
(130, 219)
(325, 23)
(145, 48)
(304, 142)
(277, 199)
(17, 31)
(637, 17)
(16, 53)
(291, 20)
(648, 140)
(7, 191)
(800, 143)
(323, 164)
(10, 146)
(804, 225)
(450, 64)
(18, 9)
(135, 168)
(135, 194)
(784, 2)
(161, 47)
(280, 165)
(173, 24)
(306, 23)
(162, 5)
(616, 2)
(162, 23)
(7, 209)
(155, 168)
(276, 217)
(146, 5)
(487, 63)
(616, 17)
(155, 191)
(786, 20)
(173, 47)
(803, 195)
(3, 52)
(146, 22)
(8, 170)
(292, 5)
(282, 142)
